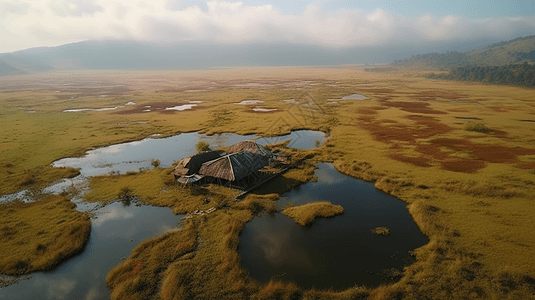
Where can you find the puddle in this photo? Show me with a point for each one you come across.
(336, 252)
(299, 139)
(99, 109)
(137, 155)
(181, 107)
(249, 102)
(91, 109)
(23, 196)
(354, 97)
(115, 232)
(290, 101)
(263, 109)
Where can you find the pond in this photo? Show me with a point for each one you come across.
(115, 232)
(137, 155)
(336, 252)
(354, 97)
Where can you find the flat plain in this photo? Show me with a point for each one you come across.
(461, 155)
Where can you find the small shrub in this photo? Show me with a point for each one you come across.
(27, 179)
(155, 162)
(126, 194)
(317, 143)
(477, 127)
(381, 231)
(202, 146)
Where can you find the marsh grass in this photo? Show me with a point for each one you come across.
(306, 214)
(475, 251)
(40, 235)
(381, 231)
(155, 163)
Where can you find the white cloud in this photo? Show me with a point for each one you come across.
(28, 23)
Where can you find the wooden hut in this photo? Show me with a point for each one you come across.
(191, 165)
(240, 169)
(250, 146)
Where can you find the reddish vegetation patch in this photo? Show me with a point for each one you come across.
(155, 107)
(413, 107)
(392, 132)
(366, 111)
(499, 133)
(425, 127)
(417, 161)
(432, 151)
(499, 109)
(463, 165)
(526, 166)
(489, 153)
(370, 110)
(439, 94)
(366, 119)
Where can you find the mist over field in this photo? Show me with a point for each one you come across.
(68, 35)
(183, 56)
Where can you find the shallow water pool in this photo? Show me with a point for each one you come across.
(337, 252)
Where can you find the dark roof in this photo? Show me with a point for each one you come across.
(235, 166)
(250, 146)
(197, 160)
(191, 165)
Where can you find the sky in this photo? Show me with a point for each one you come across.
(326, 23)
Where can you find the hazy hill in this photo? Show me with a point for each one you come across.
(515, 51)
(6, 69)
(98, 55)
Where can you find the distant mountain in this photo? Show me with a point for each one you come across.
(22, 64)
(134, 55)
(515, 51)
(6, 70)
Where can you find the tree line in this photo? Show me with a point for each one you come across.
(514, 74)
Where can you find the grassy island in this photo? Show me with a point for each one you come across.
(306, 214)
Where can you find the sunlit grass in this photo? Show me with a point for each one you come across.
(307, 213)
(40, 235)
(478, 223)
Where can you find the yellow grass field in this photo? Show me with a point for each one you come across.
(469, 188)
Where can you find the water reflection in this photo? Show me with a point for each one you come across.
(299, 139)
(336, 252)
(115, 212)
(137, 155)
(114, 234)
